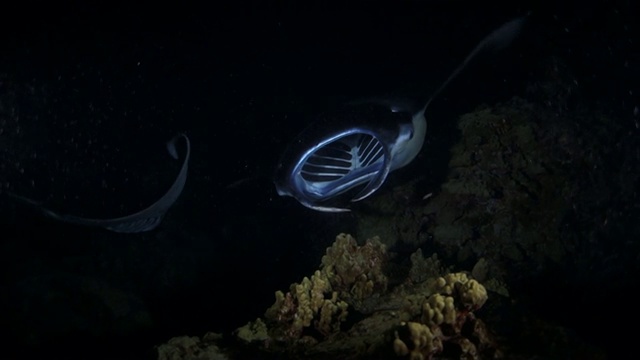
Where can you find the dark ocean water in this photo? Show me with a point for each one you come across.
(89, 94)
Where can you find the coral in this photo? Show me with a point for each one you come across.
(349, 274)
(422, 269)
(471, 293)
(438, 309)
(191, 348)
(422, 317)
(253, 331)
(355, 271)
(444, 313)
(296, 310)
(415, 319)
(423, 342)
(501, 173)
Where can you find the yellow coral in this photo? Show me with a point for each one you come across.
(253, 331)
(355, 271)
(332, 313)
(438, 309)
(304, 303)
(399, 347)
(445, 311)
(423, 341)
(471, 293)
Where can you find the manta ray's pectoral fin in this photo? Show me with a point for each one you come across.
(144, 220)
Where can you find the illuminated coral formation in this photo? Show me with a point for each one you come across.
(421, 343)
(444, 313)
(471, 293)
(419, 318)
(345, 310)
(312, 302)
(192, 348)
(356, 271)
(439, 309)
(348, 272)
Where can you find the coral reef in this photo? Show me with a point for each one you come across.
(310, 302)
(416, 318)
(501, 172)
(500, 175)
(356, 272)
(444, 314)
(191, 348)
(349, 274)
(422, 269)
(346, 310)
(526, 197)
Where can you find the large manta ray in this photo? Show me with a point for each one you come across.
(347, 154)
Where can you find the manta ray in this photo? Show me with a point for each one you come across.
(345, 155)
(141, 221)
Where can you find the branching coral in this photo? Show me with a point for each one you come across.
(444, 313)
(420, 318)
(309, 303)
(355, 271)
(315, 308)
(192, 348)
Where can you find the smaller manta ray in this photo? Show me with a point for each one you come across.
(347, 154)
(144, 220)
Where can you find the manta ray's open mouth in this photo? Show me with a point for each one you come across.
(342, 157)
(351, 161)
